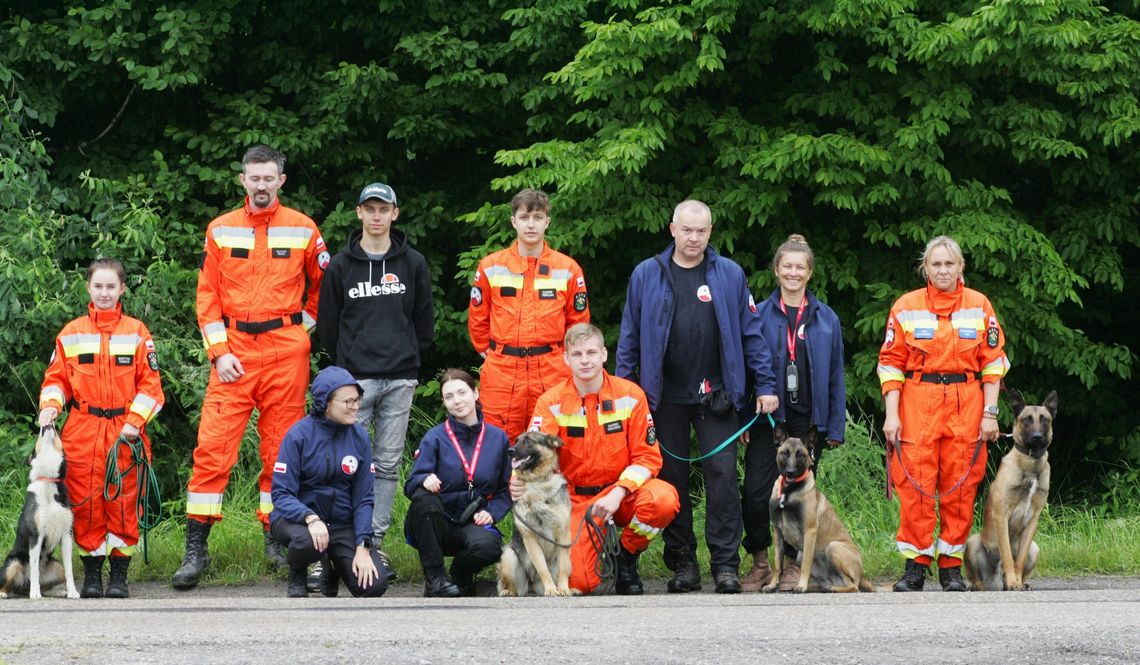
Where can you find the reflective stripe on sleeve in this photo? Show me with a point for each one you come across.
(888, 373)
(145, 406)
(636, 474)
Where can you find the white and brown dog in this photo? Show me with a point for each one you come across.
(45, 522)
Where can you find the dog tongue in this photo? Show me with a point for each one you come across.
(516, 462)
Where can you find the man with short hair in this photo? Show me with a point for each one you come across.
(523, 300)
(689, 331)
(257, 301)
(376, 320)
(609, 457)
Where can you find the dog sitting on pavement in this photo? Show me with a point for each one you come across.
(538, 556)
(1003, 555)
(45, 521)
(803, 518)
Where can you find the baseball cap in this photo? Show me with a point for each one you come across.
(377, 190)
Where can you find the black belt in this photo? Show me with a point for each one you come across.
(943, 378)
(101, 413)
(258, 327)
(521, 351)
(587, 491)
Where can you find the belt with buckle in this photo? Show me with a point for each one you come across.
(520, 351)
(587, 490)
(945, 379)
(100, 412)
(258, 327)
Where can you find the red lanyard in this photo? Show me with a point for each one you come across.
(469, 468)
(793, 329)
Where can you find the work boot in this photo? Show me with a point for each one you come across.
(913, 577)
(314, 579)
(298, 582)
(726, 581)
(117, 584)
(686, 575)
(329, 583)
(628, 582)
(464, 579)
(437, 585)
(197, 558)
(951, 579)
(790, 575)
(92, 577)
(759, 575)
(275, 553)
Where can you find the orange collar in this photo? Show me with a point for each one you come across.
(797, 481)
(47, 480)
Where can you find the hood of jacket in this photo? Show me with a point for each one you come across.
(325, 383)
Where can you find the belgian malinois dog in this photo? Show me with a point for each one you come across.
(538, 556)
(1003, 555)
(803, 517)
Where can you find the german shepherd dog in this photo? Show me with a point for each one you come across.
(1003, 555)
(538, 557)
(803, 518)
(45, 522)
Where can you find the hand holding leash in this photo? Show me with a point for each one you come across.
(608, 503)
(48, 416)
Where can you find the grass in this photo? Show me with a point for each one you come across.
(1075, 539)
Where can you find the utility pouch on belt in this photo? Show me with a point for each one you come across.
(717, 402)
(793, 382)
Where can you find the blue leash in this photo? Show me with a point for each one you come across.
(724, 444)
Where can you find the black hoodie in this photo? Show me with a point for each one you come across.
(375, 318)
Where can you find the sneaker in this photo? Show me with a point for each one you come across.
(726, 581)
(913, 577)
(790, 575)
(759, 575)
(313, 581)
(951, 579)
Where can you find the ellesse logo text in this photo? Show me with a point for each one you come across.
(390, 285)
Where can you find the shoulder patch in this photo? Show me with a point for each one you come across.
(476, 296)
(580, 301)
(651, 435)
(889, 341)
(535, 424)
(323, 260)
(581, 282)
(152, 360)
(349, 464)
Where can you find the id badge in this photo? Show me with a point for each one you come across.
(793, 382)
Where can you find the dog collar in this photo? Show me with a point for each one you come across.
(46, 479)
(793, 483)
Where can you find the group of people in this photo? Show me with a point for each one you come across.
(696, 356)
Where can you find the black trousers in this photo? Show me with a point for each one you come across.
(435, 535)
(723, 524)
(295, 537)
(760, 474)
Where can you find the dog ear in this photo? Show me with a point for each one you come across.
(1050, 404)
(1016, 401)
(780, 434)
(553, 441)
(809, 439)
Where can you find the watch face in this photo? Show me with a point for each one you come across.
(992, 409)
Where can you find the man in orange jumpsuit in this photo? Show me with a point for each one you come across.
(255, 319)
(523, 300)
(940, 367)
(610, 459)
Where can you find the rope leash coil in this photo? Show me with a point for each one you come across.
(723, 444)
(146, 486)
(604, 540)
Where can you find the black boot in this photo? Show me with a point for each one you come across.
(686, 575)
(437, 585)
(298, 582)
(92, 577)
(330, 579)
(628, 582)
(951, 579)
(197, 557)
(275, 553)
(117, 585)
(464, 579)
(913, 578)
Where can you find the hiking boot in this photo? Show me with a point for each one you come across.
(726, 581)
(686, 575)
(437, 585)
(759, 575)
(117, 584)
(313, 580)
(275, 553)
(951, 579)
(464, 579)
(92, 577)
(298, 582)
(628, 582)
(197, 557)
(329, 582)
(913, 577)
(790, 575)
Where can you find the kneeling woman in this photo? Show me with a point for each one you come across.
(458, 488)
(322, 493)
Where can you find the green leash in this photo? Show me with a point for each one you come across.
(145, 482)
(724, 444)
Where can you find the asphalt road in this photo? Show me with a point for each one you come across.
(1085, 620)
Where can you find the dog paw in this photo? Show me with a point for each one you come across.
(799, 589)
(73, 594)
(771, 588)
(34, 595)
(507, 593)
(557, 592)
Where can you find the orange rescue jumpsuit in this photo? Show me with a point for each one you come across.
(250, 291)
(105, 367)
(521, 308)
(937, 347)
(609, 440)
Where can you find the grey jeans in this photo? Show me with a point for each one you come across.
(384, 410)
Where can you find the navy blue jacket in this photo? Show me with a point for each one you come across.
(648, 317)
(324, 468)
(492, 473)
(824, 343)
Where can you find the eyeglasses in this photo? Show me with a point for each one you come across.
(353, 403)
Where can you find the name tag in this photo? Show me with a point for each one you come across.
(924, 333)
(613, 427)
(547, 294)
(281, 252)
(967, 333)
(124, 360)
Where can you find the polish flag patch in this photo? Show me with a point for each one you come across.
(536, 424)
(581, 282)
(280, 467)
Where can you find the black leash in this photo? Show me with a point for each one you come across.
(603, 539)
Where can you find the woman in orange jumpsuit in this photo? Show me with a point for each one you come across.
(940, 367)
(105, 369)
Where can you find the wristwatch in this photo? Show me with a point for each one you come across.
(366, 543)
(993, 410)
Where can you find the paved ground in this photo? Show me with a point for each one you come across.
(1084, 620)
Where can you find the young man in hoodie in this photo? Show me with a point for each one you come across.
(377, 321)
